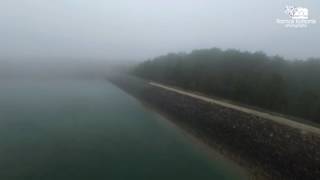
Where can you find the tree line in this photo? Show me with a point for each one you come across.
(270, 82)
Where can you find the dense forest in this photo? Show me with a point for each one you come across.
(271, 82)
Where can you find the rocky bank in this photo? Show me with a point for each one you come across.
(280, 151)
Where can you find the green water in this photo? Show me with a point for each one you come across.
(89, 129)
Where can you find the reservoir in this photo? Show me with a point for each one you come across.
(89, 129)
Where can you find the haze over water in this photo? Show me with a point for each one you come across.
(90, 129)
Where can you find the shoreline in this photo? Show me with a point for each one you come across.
(213, 152)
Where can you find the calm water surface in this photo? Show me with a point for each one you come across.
(89, 129)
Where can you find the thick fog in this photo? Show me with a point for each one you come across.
(135, 30)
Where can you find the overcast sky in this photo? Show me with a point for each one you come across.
(142, 29)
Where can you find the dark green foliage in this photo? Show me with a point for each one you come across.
(291, 87)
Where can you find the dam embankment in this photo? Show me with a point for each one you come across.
(280, 150)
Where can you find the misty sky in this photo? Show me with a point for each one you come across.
(142, 29)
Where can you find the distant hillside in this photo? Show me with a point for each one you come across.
(273, 83)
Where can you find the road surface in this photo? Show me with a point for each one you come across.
(303, 127)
